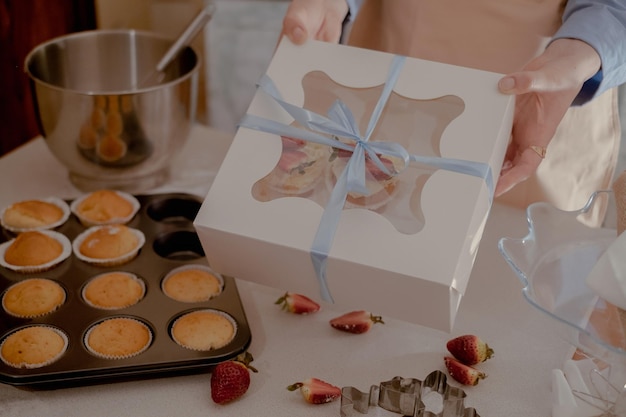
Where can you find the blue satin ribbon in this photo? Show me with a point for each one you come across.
(340, 122)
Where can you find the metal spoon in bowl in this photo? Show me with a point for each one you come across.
(184, 39)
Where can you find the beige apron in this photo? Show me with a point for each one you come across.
(501, 36)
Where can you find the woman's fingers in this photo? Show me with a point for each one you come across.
(314, 19)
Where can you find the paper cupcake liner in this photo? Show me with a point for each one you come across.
(207, 310)
(107, 262)
(117, 357)
(25, 365)
(32, 316)
(192, 267)
(118, 220)
(52, 200)
(65, 253)
(118, 307)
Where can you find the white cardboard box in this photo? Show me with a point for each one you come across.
(416, 270)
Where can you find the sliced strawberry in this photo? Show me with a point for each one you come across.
(316, 391)
(231, 379)
(290, 143)
(376, 172)
(297, 303)
(359, 321)
(292, 161)
(462, 373)
(469, 349)
(343, 153)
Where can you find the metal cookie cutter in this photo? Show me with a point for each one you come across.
(407, 397)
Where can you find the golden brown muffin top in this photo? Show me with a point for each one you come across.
(32, 249)
(109, 242)
(113, 290)
(118, 337)
(33, 297)
(192, 285)
(104, 205)
(32, 213)
(203, 330)
(33, 346)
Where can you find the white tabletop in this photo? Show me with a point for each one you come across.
(288, 348)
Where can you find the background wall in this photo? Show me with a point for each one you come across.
(23, 25)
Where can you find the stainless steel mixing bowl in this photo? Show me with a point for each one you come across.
(99, 117)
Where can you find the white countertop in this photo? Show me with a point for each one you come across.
(288, 348)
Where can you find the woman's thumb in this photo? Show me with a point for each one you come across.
(519, 83)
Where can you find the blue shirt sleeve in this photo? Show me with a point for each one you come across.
(354, 6)
(601, 24)
(353, 10)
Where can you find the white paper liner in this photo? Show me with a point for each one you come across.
(30, 316)
(208, 310)
(112, 261)
(118, 307)
(35, 365)
(192, 267)
(65, 253)
(116, 357)
(116, 220)
(52, 200)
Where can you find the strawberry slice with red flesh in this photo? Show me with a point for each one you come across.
(291, 144)
(469, 349)
(462, 373)
(376, 172)
(316, 391)
(371, 166)
(357, 322)
(343, 153)
(231, 379)
(297, 303)
(293, 161)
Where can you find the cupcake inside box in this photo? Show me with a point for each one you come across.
(84, 302)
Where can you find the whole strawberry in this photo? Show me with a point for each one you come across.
(297, 303)
(469, 349)
(231, 379)
(462, 373)
(316, 391)
(359, 321)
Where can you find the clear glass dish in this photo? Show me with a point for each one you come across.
(552, 262)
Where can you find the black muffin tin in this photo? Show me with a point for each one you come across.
(171, 241)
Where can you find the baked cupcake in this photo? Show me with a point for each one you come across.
(31, 215)
(105, 207)
(114, 290)
(33, 297)
(300, 167)
(203, 330)
(118, 338)
(381, 186)
(35, 251)
(192, 284)
(108, 245)
(33, 347)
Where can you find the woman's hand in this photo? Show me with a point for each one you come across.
(314, 19)
(545, 89)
